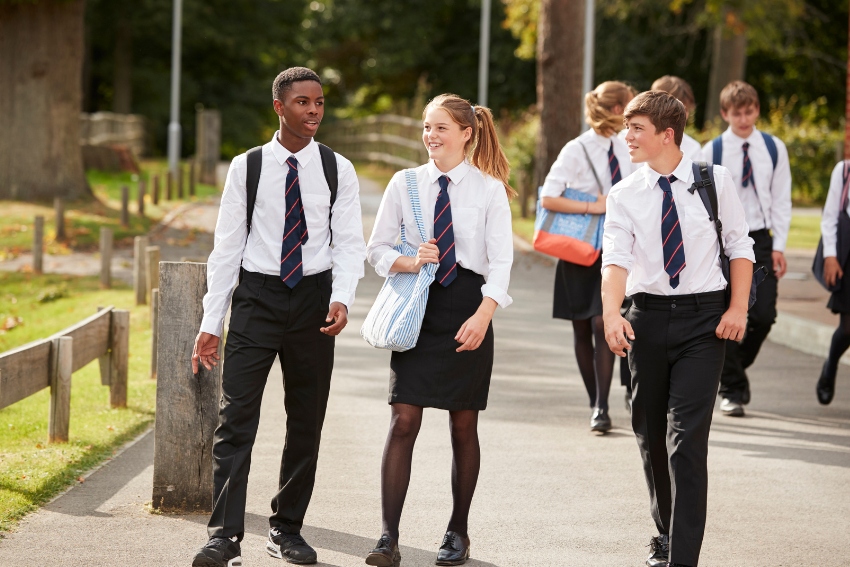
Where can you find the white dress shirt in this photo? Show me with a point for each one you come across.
(771, 208)
(691, 148)
(481, 218)
(261, 252)
(632, 238)
(829, 220)
(572, 170)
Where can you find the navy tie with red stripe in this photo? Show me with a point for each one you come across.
(294, 229)
(671, 233)
(747, 175)
(445, 235)
(614, 166)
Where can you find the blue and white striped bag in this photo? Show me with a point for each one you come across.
(395, 319)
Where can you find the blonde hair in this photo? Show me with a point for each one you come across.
(487, 153)
(599, 103)
(677, 87)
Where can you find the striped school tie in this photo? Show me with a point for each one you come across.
(294, 229)
(445, 235)
(671, 233)
(747, 176)
(614, 166)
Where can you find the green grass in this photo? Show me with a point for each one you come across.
(523, 227)
(804, 232)
(31, 470)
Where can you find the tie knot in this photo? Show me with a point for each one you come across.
(292, 163)
(746, 146)
(665, 182)
(444, 182)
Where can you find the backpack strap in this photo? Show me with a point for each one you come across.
(704, 183)
(252, 181)
(771, 148)
(332, 178)
(716, 151)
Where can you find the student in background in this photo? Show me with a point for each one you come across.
(680, 89)
(592, 163)
(760, 169)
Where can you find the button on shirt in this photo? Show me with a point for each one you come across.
(769, 205)
(481, 219)
(831, 209)
(632, 238)
(261, 253)
(572, 170)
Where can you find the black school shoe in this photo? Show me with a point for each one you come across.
(659, 551)
(826, 386)
(454, 550)
(219, 552)
(385, 554)
(290, 547)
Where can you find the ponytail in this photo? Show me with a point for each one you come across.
(598, 105)
(487, 153)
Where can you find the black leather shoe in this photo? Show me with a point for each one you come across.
(676, 565)
(659, 551)
(454, 550)
(385, 553)
(826, 386)
(600, 421)
(290, 547)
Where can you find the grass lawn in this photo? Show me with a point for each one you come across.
(804, 232)
(31, 470)
(523, 227)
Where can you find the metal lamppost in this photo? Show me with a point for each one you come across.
(589, 45)
(484, 57)
(174, 122)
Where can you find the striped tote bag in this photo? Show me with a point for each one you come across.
(395, 318)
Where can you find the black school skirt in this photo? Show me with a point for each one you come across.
(578, 291)
(839, 301)
(432, 374)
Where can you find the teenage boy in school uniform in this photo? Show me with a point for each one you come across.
(661, 249)
(759, 166)
(292, 299)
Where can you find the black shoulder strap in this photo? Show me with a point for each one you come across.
(332, 177)
(252, 181)
(704, 183)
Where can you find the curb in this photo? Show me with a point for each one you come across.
(803, 335)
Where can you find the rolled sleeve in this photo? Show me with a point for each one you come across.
(736, 240)
(618, 238)
(349, 248)
(831, 210)
(500, 248)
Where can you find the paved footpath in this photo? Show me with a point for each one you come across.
(550, 492)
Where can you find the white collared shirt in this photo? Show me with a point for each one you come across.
(262, 251)
(771, 208)
(829, 220)
(632, 238)
(481, 218)
(572, 170)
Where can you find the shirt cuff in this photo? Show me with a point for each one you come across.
(779, 244)
(497, 294)
(746, 253)
(620, 263)
(385, 264)
(830, 250)
(343, 297)
(212, 325)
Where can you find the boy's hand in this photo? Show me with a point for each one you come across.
(780, 266)
(732, 324)
(339, 314)
(618, 333)
(205, 351)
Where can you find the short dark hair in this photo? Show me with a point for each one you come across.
(738, 94)
(663, 110)
(677, 87)
(283, 82)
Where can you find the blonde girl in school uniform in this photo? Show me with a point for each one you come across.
(464, 195)
(592, 163)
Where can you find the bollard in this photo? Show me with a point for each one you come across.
(180, 181)
(192, 178)
(140, 280)
(125, 204)
(152, 268)
(105, 257)
(61, 366)
(141, 196)
(155, 194)
(119, 358)
(154, 329)
(59, 210)
(186, 403)
(38, 245)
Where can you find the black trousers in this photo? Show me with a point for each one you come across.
(733, 382)
(269, 319)
(675, 362)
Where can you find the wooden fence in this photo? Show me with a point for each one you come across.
(49, 363)
(394, 141)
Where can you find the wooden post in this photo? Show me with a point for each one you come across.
(154, 329)
(141, 197)
(60, 389)
(105, 362)
(105, 257)
(59, 210)
(152, 268)
(207, 144)
(180, 176)
(169, 185)
(38, 245)
(192, 178)
(119, 358)
(186, 403)
(140, 280)
(125, 204)
(155, 195)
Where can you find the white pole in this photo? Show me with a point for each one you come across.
(484, 58)
(174, 123)
(589, 43)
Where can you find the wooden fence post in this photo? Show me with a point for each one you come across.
(186, 403)
(60, 389)
(155, 194)
(105, 257)
(59, 211)
(125, 203)
(207, 144)
(169, 185)
(154, 329)
(140, 280)
(152, 268)
(192, 178)
(180, 176)
(119, 358)
(38, 245)
(141, 197)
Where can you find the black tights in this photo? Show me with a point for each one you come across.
(839, 344)
(596, 364)
(398, 454)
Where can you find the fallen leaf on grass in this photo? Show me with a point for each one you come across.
(10, 323)
(87, 448)
(80, 479)
(110, 427)
(39, 446)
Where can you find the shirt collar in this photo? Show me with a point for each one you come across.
(456, 175)
(683, 172)
(603, 141)
(304, 156)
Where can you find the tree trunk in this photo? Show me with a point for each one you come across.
(728, 63)
(560, 51)
(847, 108)
(122, 97)
(40, 100)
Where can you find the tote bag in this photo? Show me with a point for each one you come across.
(395, 319)
(843, 244)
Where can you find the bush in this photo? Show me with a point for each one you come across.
(519, 140)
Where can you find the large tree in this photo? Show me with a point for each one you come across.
(41, 56)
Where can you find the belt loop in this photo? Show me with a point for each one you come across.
(696, 296)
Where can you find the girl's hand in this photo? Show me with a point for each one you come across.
(472, 332)
(832, 271)
(428, 253)
(598, 206)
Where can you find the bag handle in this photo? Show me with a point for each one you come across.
(413, 193)
(593, 169)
